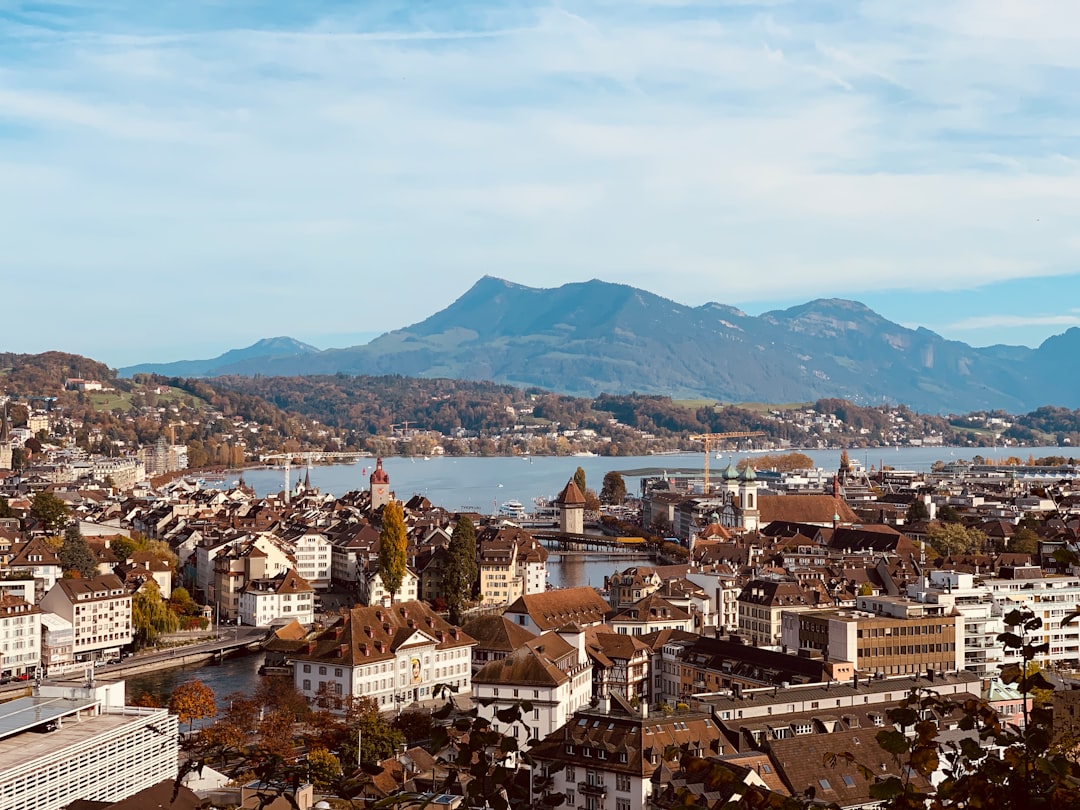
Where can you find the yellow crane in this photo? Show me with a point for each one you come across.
(709, 438)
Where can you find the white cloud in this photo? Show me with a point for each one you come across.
(695, 148)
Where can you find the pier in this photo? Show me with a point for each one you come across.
(591, 543)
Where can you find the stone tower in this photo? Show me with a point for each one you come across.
(748, 487)
(5, 441)
(571, 509)
(380, 486)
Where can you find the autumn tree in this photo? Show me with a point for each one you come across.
(613, 490)
(324, 769)
(460, 571)
(49, 511)
(150, 615)
(1024, 540)
(949, 539)
(76, 558)
(192, 701)
(393, 547)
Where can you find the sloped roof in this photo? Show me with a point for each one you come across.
(570, 495)
(526, 667)
(553, 609)
(804, 509)
(494, 632)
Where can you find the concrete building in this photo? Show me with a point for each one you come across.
(20, 637)
(71, 742)
(1050, 598)
(99, 610)
(885, 635)
(983, 621)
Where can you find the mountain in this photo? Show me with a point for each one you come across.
(264, 350)
(592, 337)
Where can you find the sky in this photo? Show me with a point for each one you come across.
(179, 179)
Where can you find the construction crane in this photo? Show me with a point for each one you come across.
(709, 438)
(308, 457)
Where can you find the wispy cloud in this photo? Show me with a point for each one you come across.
(697, 148)
(1003, 321)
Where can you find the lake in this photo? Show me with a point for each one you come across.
(484, 483)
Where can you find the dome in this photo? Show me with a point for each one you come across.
(731, 472)
(748, 474)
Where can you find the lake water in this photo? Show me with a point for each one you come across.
(484, 483)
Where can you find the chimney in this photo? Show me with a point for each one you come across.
(644, 709)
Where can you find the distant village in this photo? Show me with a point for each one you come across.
(779, 616)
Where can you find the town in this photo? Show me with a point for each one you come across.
(781, 615)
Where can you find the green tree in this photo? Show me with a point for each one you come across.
(122, 547)
(49, 511)
(150, 615)
(579, 479)
(1024, 540)
(5, 508)
(393, 547)
(75, 554)
(460, 572)
(324, 769)
(613, 490)
(192, 701)
(953, 538)
(917, 512)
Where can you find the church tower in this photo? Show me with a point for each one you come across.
(5, 441)
(748, 487)
(380, 486)
(571, 505)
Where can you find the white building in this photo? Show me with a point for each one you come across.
(20, 637)
(395, 655)
(982, 619)
(1050, 598)
(314, 557)
(373, 592)
(74, 742)
(57, 645)
(553, 672)
(287, 596)
(99, 610)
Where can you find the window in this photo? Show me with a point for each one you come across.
(569, 798)
(622, 804)
(849, 781)
(322, 670)
(307, 684)
(570, 775)
(824, 784)
(622, 782)
(337, 672)
(307, 668)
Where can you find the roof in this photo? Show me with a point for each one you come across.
(651, 608)
(379, 475)
(365, 635)
(571, 495)
(804, 509)
(552, 609)
(105, 586)
(495, 632)
(531, 665)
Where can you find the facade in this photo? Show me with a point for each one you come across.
(621, 664)
(39, 559)
(605, 758)
(314, 557)
(57, 645)
(395, 655)
(552, 672)
(885, 635)
(650, 614)
(762, 601)
(982, 619)
(1051, 598)
(99, 610)
(373, 592)
(82, 743)
(287, 596)
(20, 637)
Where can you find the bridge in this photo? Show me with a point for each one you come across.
(590, 543)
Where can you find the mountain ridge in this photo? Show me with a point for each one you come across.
(592, 337)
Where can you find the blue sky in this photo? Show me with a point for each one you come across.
(180, 179)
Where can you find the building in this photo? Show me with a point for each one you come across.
(71, 742)
(313, 557)
(373, 592)
(540, 612)
(99, 610)
(286, 597)
(20, 637)
(552, 672)
(761, 602)
(605, 758)
(57, 645)
(1050, 598)
(982, 620)
(650, 614)
(620, 663)
(885, 635)
(379, 486)
(571, 505)
(395, 655)
(496, 637)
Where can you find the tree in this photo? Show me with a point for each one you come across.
(460, 571)
(917, 512)
(122, 547)
(49, 511)
(150, 614)
(192, 701)
(393, 547)
(953, 538)
(75, 554)
(1024, 540)
(5, 508)
(324, 768)
(579, 479)
(613, 490)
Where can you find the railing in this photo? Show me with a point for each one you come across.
(592, 789)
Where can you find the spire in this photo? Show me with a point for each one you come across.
(5, 432)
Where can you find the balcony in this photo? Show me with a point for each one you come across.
(591, 789)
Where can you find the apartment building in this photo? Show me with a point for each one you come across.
(99, 610)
